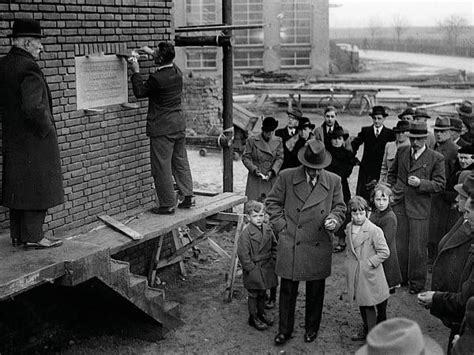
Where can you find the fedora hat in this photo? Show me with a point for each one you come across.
(467, 187)
(25, 27)
(456, 124)
(465, 108)
(337, 132)
(407, 112)
(418, 130)
(402, 126)
(399, 336)
(442, 124)
(314, 155)
(468, 149)
(305, 122)
(421, 112)
(269, 124)
(378, 110)
(296, 112)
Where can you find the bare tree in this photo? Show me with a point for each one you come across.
(374, 27)
(400, 26)
(453, 27)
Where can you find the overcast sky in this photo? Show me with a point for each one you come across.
(356, 13)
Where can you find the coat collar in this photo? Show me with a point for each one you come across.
(268, 147)
(259, 236)
(303, 191)
(362, 236)
(462, 236)
(18, 51)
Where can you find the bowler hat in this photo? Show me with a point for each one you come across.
(305, 122)
(456, 124)
(467, 187)
(421, 112)
(442, 124)
(378, 110)
(269, 124)
(296, 112)
(337, 132)
(314, 155)
(465, 108)
(399, 336)
(25, 27)
(418, 130)
(402, 126)
(407, 112)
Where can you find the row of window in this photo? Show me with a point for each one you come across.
(295, 29)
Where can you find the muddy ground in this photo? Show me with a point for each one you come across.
(214, 327)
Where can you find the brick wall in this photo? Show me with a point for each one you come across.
(105, 156)
(202, 104)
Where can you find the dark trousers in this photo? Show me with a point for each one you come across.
(314, 305)
(373, 315)
(169, 159)
(412, 238)
(27, 226)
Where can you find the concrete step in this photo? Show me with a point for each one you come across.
(119, 274)
(155, 294)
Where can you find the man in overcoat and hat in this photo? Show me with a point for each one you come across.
(305, 207)
(374, 138)
(286, 133)
(417, 172)
(32, 179)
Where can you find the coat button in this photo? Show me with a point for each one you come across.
(322, 211)
(297, 210)
(297, 243)
(299, 227)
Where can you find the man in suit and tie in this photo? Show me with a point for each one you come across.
(328, 126)
(374, 138)
(305, 207)
(416, 173)
(294, 116)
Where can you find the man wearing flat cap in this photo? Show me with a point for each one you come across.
(32, 179)
(417, 172)
(305, 207)
(286, 133)
(374, 138)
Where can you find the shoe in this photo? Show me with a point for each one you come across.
(281, 339)
(44, 243)
(188, 202)
(257, 323)
(310, 337)
(270, 304)
(163, 210)
(266, 319)
(361, 335)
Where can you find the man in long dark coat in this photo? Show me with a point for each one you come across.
(286, 133)
(32, 180)
(374, 138)
(305, 207)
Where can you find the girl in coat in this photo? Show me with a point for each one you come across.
(385, 218)
(257, 252)
(365, 277)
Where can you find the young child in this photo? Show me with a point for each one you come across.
(366, 283)
(342, 163)
(385, 218)
(257, 252)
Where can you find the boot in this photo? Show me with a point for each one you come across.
(253, 318)
(261, 311)
(188, 202)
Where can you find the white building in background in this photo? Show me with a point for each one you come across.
(295, 38)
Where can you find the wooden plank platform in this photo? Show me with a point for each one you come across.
(21, 270)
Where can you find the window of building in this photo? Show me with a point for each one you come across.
(296, 22)
(245, 58)
(201, 12)
(201, 59)
(248, 12)
(295, 57)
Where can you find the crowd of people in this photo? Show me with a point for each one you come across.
(412, 214)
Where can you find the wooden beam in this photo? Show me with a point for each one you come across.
(233, 262)
(226, 216)
(218, 249)
(178, 245)
(122, 228)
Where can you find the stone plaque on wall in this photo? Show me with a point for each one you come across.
(101, 80)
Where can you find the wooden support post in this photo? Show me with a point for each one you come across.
(233, 261)
(154, 261)
(178, 245)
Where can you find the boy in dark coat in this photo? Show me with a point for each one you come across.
(257, 252)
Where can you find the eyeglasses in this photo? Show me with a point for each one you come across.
(330, 116)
